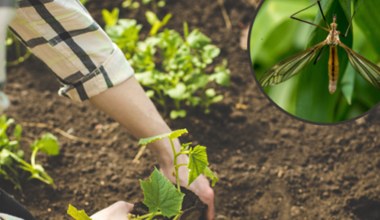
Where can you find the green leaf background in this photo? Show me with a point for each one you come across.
(275, 37)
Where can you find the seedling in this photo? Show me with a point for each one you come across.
(133, 4)
(158, 186)
(160, 196)
(12, 157)
(178, 71)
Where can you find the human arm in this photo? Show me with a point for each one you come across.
(128, 104)
(90, 66)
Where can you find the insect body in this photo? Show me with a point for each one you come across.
(292, 65)
(333, 40)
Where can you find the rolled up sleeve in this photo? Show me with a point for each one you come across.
(65, 37)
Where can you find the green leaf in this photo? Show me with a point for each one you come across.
(368, 20)
(210, 92)
(161, 195)
(161, 3)
(178, 92)
(197, 39)
(222, 74)
(151, 17)
(110, 18)
(5, 158)
(77, 214)
(155, 22)
(48, 144)
(17, 132)
(211, 175)
(197, 162)
(172, 135)
(174, 114)
(348, 84)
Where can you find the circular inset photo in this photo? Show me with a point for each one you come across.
(318, 60)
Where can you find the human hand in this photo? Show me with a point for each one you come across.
(200, 187)
(117, 211)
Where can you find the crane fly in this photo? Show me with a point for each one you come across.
(293, 65)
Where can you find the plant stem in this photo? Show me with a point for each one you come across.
(181, 165)
(148, 216)
(177, 216)
(33, 157)
(175, 165)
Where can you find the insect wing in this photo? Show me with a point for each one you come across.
(369, 70)
(290, 66)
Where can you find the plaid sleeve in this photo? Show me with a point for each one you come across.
(64, 36)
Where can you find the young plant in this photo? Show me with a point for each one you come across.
(160, 196)
(12, 157)
(177, 71)
(133, 4)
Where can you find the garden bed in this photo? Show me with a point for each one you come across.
(271, 166)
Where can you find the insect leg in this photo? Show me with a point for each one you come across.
(293, 16)
(352, 17)
(318, 56)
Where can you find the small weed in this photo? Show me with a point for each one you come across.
(12, 160)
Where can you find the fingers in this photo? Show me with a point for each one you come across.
(116, 211)
(201, 187)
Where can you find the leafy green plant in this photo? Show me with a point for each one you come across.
(176, 70)
(12, 157)
(133, 4)
(160, 196)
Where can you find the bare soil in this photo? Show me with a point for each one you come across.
(271, 166)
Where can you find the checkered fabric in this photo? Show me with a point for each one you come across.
(64, 36)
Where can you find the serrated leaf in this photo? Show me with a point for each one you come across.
(47, 144)
(171, 135)
(77, 214)
(197, 162)
(211, 175)
(161, 195)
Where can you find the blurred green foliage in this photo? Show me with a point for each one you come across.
(178, 70)
(275, 37)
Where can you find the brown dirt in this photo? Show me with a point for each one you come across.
(271, 166)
